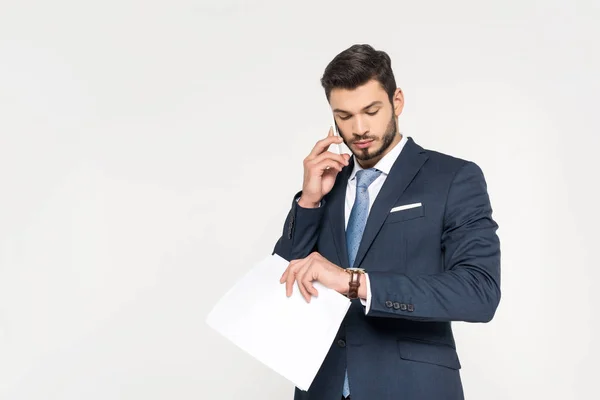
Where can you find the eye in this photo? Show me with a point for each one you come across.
(372, 113)
(345, 118)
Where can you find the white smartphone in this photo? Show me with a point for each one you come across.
(337, 133)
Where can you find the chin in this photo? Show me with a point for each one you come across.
(361, 155)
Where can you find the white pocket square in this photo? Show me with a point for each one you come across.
(406, 207)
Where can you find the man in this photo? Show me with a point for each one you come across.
(416, 226)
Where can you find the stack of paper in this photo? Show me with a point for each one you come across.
(289, 335)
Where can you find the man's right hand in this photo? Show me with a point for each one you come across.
(320, 170)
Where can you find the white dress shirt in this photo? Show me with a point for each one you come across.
(384, 165)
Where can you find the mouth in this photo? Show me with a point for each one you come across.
(363, 144)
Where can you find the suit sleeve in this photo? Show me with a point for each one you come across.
(469, 288)
(300, 231)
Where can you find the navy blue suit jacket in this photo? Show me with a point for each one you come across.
(427, 266)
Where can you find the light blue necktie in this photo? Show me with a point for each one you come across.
(356, 225)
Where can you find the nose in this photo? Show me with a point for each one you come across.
(360, 126)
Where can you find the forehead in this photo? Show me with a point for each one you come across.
(354, 100)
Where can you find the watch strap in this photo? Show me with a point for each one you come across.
(353, 284)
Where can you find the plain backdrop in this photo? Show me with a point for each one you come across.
(150, 151)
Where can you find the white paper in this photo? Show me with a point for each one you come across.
(289, 335)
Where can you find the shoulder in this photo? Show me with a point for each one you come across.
(443, 171)
(446, 165)
(445, 160)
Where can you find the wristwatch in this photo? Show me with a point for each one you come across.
(354, 283)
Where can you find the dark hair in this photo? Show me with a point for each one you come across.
(356, 66)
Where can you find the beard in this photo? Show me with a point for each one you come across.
(386, 141)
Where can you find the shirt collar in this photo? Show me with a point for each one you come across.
(385, 164)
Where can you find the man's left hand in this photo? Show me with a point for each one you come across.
(315, 267)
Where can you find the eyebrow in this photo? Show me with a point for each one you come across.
(364, 108)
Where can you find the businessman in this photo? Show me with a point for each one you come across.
(406, 233)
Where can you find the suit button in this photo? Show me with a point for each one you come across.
(396, 306)
(389, 304)
(403, 307)
(411, 308)
(341, 343)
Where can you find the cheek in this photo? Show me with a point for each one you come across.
(345, 129)
(379, 126)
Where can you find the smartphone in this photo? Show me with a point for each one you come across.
(336, 132)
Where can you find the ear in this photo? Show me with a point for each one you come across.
(398, 102)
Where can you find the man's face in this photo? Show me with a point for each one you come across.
(366, 120)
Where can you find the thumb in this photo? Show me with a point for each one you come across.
(330, 131)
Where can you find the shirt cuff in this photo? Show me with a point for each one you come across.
(298, 199)
(367, 303)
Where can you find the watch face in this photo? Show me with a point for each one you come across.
(357, 269)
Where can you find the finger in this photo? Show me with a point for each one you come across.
(330, 172)
(289, 283)
(287, 271)
(293, 269)
(329, 164)
(303, 291)
(305, 282)
(328, 155)
(308, 285)
(284, 276)
(300, 277)
(330, 133)
(323, 145)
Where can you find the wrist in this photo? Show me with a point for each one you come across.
(362, 289)
(356, 284)
(343, 282)
(304, 203)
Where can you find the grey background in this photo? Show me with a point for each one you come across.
(149, 152)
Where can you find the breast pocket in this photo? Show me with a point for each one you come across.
(398, 214)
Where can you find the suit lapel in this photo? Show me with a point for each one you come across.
(337, 217)
(405, 168)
